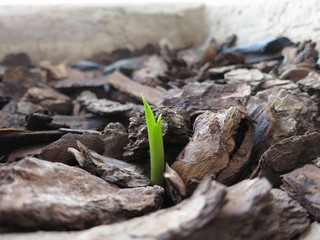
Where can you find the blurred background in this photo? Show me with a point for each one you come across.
(72, 30)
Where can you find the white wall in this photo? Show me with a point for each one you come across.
(74, 31)
(254, 20)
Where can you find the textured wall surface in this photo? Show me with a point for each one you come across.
(263, 19)
(72, 32)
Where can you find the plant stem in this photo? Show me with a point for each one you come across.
(155, 145)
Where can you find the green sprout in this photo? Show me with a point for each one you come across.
(155, 145)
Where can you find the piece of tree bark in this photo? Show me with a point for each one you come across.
(287, 155)
(108, 107)
(295, 73)
(18, 80)
(220, 147)
(126, 85)
(11, 140)
(177, 222)
(312, 233)
(36, 194)
(280, 114)
(17, 60)
(27, 151)
(252, 77)
(310, 83)
(152, 67)
(303, 184)
(247, 202)
(175, 187)
(112, 170)
(289, 218)
(254, 211)
(175, 130)
(55, 72)
(283, 84)
(82, 122)
(39, 122)
(58, 150)
(205, 96)
(78, 79)
(49, 99)
(303, 53)
(115, 138)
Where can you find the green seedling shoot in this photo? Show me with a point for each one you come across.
(155, 145)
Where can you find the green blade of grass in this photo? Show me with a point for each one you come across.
(155, 144)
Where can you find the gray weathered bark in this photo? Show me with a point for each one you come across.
(36, 194)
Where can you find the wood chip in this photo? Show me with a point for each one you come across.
(287, 155)
(49, 99)
(37, 194)
(205, 96)
(303, 184)
(55, 71)
(251, 202)
(218, 146)
(312, 233)
(177, 222)
(126, 85)
(58, 150)
(112, 170)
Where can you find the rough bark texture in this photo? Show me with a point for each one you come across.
(55, 72)
(37, 194)
(49, 99)
(17, 81)
(312, 233)
(115, 138)
(108, 107)
(280, 114)
(78, 79)
(205, 96)
(84, 122)
(310, 83)
(173, 223)
(175, 130)
(303, 184)
(58, 150)
(11, 139)
(132, 88)
(289, 218)
(254, 212)
(287, 155)
(112, 170)
(175, 187)
(252, 77)
(221, 144)
(152, 67)
(39, 121)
